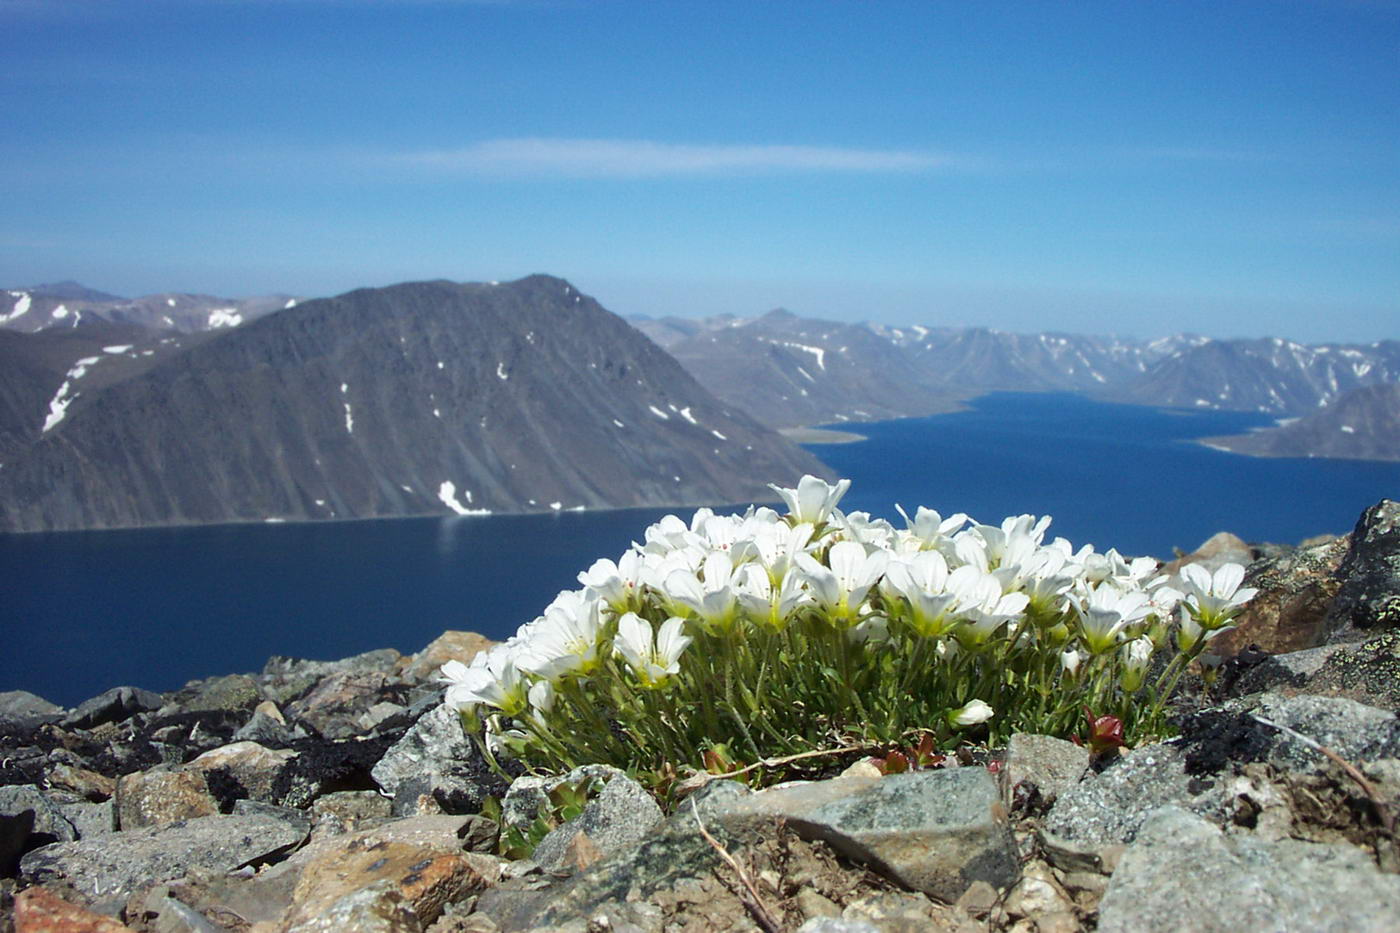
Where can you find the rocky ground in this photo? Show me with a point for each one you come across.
(343, 796)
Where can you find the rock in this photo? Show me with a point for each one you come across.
(28, 820)
(268, 728)
(1367, 673)
(932, 831)
(1182, 873)
(231, 692)
(436, 759)
(251, 769)
(1219, 549)
(20, 709)
(80, 781)
(108, 868)
(379, 908)
(621, 816)
(39, 910)
(116, 705)
(449, 646)
(1107, 809)
(90, 819)
(1037, 894)
(1255, 671)
(347, 811)
(1289, 613)
(154, 798)
(837, 925)
(334, 706)
(417, 879)
(1369, 596)
(285, 679)
(297, 819)
(1051, 765)
(528, 796)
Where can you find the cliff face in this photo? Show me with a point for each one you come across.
(416, 399)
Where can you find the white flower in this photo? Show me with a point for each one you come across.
(765, 603)
(813, 499)
(930, 530)
(565, 639)
(615, 583)
(841, 588)
(652, 661)
(1135, 656)
(921, 582)
(495, 682)
(713, 599)
(1214, 599)
(970, 714)
(1105, 614)
(1070, 660)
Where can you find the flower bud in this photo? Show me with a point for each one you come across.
(970, 714)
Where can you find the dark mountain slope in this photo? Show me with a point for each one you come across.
(398, 401)
(1364, 424)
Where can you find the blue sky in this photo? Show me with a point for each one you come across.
(1230, 168)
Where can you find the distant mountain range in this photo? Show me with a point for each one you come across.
(65, 304)
(422, 398)
(791, 371)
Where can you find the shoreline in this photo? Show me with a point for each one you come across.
(821, 436)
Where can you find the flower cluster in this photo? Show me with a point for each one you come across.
(760, 635)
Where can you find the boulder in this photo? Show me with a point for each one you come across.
(246, 769)
(20, 709)
(107, 869)
(39, 910)
(1049, 764)
(449, 646)
(1289, 613)
(116, 705)
(28, 820)
(154, 798)
(933, 831)
(620, 817)
(1369, 595)
(436, 759)
(1183, 873)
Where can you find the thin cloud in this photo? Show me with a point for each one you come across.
(634, 158)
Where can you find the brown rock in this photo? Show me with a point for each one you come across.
(154, 798)
(335, 704)
(1289, 613)
(249, 763)
(422, 879)
(88, 784)
(1220, 548)
(449, 646)
(39, 910)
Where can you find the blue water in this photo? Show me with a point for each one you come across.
(1121, 476)
(84, 611)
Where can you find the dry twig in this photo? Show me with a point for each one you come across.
(754, 902)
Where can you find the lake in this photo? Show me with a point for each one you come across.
(84, 611)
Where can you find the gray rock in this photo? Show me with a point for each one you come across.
(528, 796)
(348, 810)
(1356, 732)
(1368, 672)
(620, 817)
(932, 831)
(1108, 809)
(20, 709)
(434, 758)
(116, 705)
(1369, 596)
(28, 819)
(1184, 874)
(1052, 765)
(1268, 672)
(285, 679)
(108, 868)
(91, 819)
(377, 908)
(298, 819)
(267, 730)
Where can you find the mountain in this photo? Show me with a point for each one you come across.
(789, 371)
(1270, 375)
(68, 304)
(1363, 424)
(46, 375)
(421, 398)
